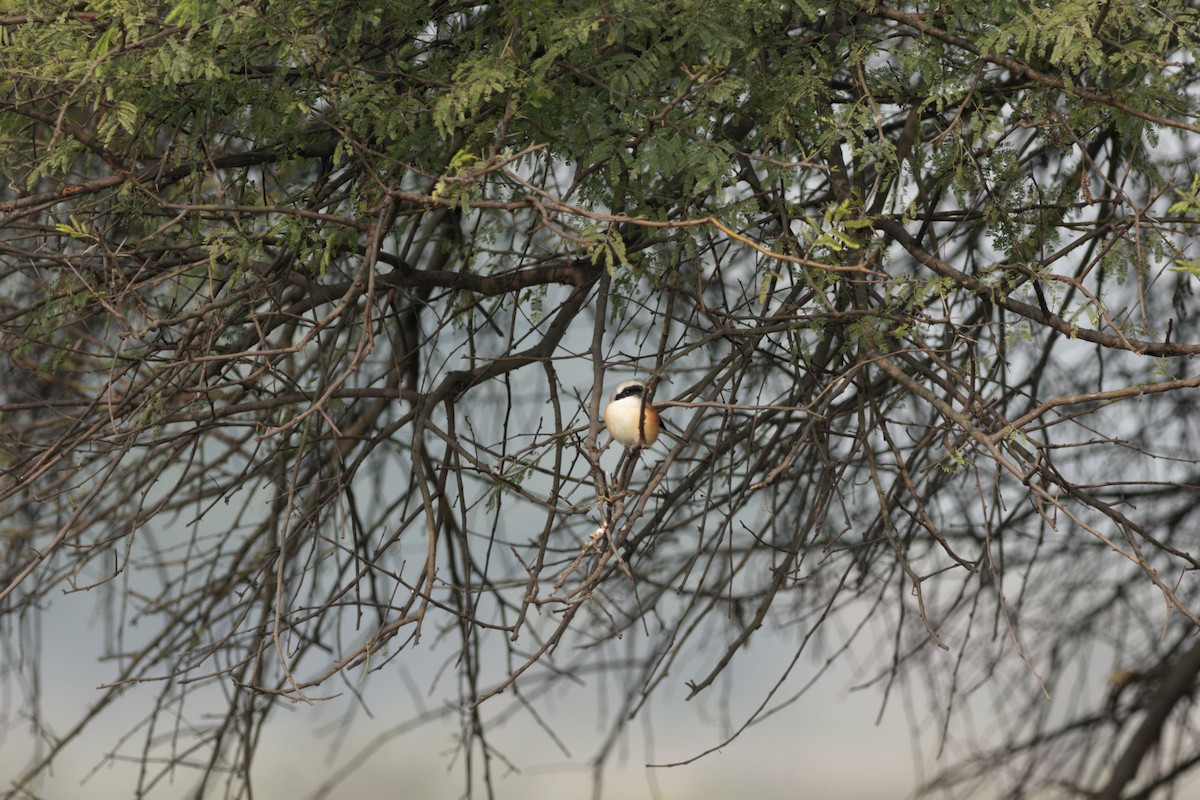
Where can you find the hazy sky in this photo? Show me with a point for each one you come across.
(824, 745)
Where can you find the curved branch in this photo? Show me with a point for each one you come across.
(1179, 683)
(1044, 318)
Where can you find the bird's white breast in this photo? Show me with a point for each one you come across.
(621, 419)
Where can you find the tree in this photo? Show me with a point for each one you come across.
(916, 281)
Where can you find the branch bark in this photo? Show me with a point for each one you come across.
(1179, 682)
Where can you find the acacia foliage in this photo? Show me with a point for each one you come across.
(917, 277)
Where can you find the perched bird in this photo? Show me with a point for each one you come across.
(629, 417)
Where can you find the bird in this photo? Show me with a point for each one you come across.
(629, 416)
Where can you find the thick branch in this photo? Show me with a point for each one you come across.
(1179, 682)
